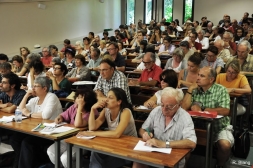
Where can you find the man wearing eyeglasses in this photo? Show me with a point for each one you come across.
(11, 94)
(168, 125)
(206, 95)
(211, 59)
(118, 59)
(245, 59)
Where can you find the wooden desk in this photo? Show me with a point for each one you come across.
(123, 148)
(28, 124)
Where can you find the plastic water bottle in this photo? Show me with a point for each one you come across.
(18, 115)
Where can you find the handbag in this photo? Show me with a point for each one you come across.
(241, 147)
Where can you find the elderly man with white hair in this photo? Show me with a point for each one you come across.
(79, 48)
(202, 40)
(222, 52)
(228, 44)
(168, 125)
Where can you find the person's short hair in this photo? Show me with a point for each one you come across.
(152, 56)
(71, 51)
(37, 65)
(235, 65)
(165, 33)
(195, 34)
(169, 76)
(197, 22)
(13, 80)
(230, 34)
(34, 56)
(168, 38)
(63, 67)
(214, 27)
(97, 51)
(202, 32)
(43, 82)
(90, 98)
(86, 38)
(79, 43)
(117, 31)
(81, 58)
(176, 21)
(121, 26)
(53, 47)
(4, 57)
(195, 58)
(105, 33)
(109, 62)
(56, 60)
(5, 66)
(213, 49)
(172, 92)
(103, 42)
(107, 56)
(144, 42)
(245, 43)
(212, 74)
(121, 35)
(222, 43)
(227, 21)
(184, 44)
(112, 39)
(92, 34)
(170, 28)
(27, 50)
(150, 48)
(66, 41)
(179, 52)
(221, 30)
(114, 44)
(142, 32)
(17, 58)
(120, 94)
(204, 17)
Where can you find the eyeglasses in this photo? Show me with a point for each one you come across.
(210, 56)
(103, 70)
(169, 107)
(109, 49)
(56, 68)
(4, 83)
(36, 86)
(241, 52)
(232, 73)
(146, 62)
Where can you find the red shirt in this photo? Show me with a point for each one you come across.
(232, 45)
(153, 74)
(47, 61)
(198, 46)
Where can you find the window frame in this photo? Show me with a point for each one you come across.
(163, 15)
(184, 10)
(152, 10)
(127, 18)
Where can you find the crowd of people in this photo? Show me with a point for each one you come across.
(211, 61)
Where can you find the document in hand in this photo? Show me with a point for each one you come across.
(55, 130)
(142, 147)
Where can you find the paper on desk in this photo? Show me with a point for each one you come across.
(142, 147)
(142, 107)
(9, 118)
(84, 83)
(85, 137)
(54, 124)
(53, 130)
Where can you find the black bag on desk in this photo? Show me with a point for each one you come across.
(241, 147)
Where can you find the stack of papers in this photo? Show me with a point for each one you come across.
(55, 130)
(142, 147)
(9, 118)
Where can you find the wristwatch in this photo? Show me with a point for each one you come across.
(167, 144)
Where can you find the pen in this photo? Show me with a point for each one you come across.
(148, 131)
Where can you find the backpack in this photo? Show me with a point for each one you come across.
(241, 147)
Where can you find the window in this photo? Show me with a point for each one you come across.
(167, 10)
(130, 11)
(188, 9)
(148, 11)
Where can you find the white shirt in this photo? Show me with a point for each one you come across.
(204, 42)
(29, 84)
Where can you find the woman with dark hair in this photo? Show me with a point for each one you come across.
(176, 62)
(188, 76)
(24, 52)
(140, 50)
(18, 65)
(122, 50)
(69, 59)
(77, 115)
(156, 36)
(86, 44)
(120, 121)
(121, 38)
(106, 36)
(59, 82)
(36, 69)
(80, 72)
(239, 32)
(166, 48)
(168, 78)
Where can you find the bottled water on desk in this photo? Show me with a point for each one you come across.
(18, 115)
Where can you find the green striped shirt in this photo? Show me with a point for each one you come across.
(216, 96)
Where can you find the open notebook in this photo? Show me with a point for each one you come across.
(142, 147)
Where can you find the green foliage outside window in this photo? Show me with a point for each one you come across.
(188, 10)
(130, 11)
(148, 11)
(168, 12)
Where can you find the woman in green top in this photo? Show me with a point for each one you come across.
(59, 82)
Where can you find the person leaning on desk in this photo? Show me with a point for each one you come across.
(77, 115)
(45, 105)
(117, 113)
(168, 125)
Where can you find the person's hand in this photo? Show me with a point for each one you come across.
(192, 87)
(85, 133)
(99, 104)
(179, 84)
(30, 93)
(80, 101)
(195, 107)
(32, 71)
(230, 90)
(155, 142)
(150, 104)
(133, 82)
(50, 75)
(58, 119)
(146, 136)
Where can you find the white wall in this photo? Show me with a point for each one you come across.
(24, 24)
(215, 9)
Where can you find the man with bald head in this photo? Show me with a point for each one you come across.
(235, 25)
(223, 53)
(206, 95)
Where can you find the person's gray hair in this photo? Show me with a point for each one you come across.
(179, 52)
(230, 34)
(79, 43)
(213, 74)
(245, 43)
(56, 60)
(152, 56)
(34, 56)
(172, 92)
(220, 41)
(214, 27)
(202, 32)
(43, 82)
(5, 66)
(48, 49)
